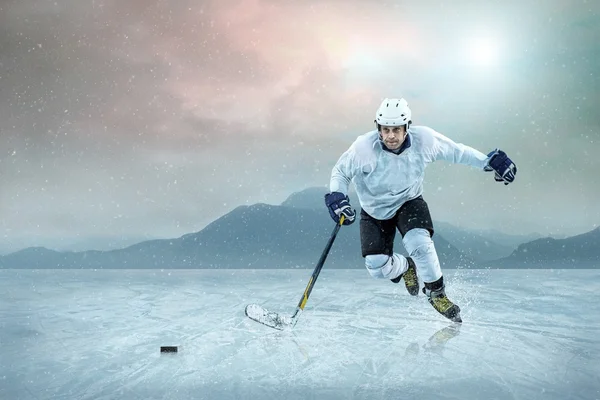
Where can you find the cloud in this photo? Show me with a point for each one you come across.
(157, 116)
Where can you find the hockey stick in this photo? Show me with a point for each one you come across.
(273, 319)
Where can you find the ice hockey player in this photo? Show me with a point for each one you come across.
(387, 167)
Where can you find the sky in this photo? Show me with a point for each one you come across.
(154, 118)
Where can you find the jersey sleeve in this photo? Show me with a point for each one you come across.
(342, 172)
(446, 149)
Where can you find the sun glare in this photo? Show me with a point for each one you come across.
(483, 52)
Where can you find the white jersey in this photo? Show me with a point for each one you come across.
(384, 181)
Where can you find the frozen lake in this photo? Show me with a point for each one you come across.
(84, 334)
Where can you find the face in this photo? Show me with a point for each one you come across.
(393, 136)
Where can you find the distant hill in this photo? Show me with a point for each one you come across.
(312, 198)
(70, 244)
(506, 240)
(476, 246)
(257, 236)
(580, 251)
(293, 235)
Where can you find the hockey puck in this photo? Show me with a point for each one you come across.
(168, 349)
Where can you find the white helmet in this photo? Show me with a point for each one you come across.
(393, 112)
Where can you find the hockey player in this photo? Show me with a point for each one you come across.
(387, 166)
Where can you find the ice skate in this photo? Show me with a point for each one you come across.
(410, 278)
(437, 298)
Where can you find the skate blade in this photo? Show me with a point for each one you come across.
(453, 314)
(457, 319)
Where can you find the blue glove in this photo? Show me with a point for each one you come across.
(338, 204)
(505, 170)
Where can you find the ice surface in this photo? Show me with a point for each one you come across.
(529, 334)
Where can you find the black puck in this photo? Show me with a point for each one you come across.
(168, 349)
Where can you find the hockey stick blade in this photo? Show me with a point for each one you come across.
(269, 318)
(274, 320)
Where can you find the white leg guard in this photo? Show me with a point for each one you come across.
(382, 266)
(421, 249)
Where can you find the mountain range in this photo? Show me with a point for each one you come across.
(293, 235)
(580, 251)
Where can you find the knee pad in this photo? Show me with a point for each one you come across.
(382, 266)
(416, 238)
(421, 249)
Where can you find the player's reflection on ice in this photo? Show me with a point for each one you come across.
(292, 345)
(436, 342)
